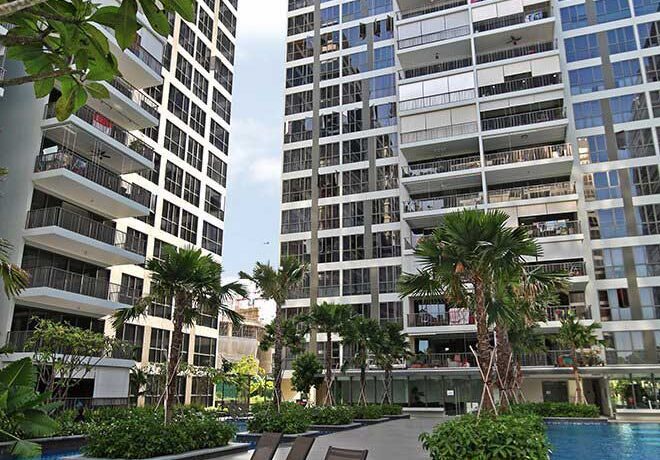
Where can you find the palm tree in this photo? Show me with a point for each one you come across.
(577, 336)
(360, 336)
(14, 279)
(391, 347)
(194, 282)
(329, 318)
(523, 339)
(461, 261)
(277, 285)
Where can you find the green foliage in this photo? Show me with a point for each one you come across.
(555, 409)
(61, 41)
(486, 437)
(23, 411)
(14, 278)
(368, 412)
(69, 427)
(575, 335)
(306, 368)
(292, 418)
(293, 335)
(331, 415)
(140, 433)
(391, 409)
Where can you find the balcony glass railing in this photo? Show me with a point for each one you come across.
(436, 99)
(145, 56)
(107, 127)
(554, 228)
(433, 37)
(457, 318)
(521, 119)
(625, 314)
(66, 159)
(137, 96)
(531, 192)
(618, 356)
(445, 202)
(559, 312)
(85, 226)
(574, 268)
(428, 9)
(510, 53)
(520, 85)
(559, 358)
(528, 154)
(606, 231)
(431, 360)
(441, 166)
(514, 19)
(434, 67)
(439, 132)
(22, 342)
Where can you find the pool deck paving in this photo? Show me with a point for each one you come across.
(393, 440)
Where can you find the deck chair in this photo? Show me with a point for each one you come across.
(267, 446)
(300, 449)
(334, 453)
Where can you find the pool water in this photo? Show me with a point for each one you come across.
(607, 441)
(57, 455)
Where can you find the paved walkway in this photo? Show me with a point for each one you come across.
(393, 440)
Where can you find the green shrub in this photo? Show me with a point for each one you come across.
(391, 409)
(368, 412)
(140, 433)
(554, 409)
(292, 418)
(331, 415)
(484, 438)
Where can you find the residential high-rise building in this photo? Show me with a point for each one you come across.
(398, 112)
(88, 200)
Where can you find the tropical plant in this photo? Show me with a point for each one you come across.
(292, 331)
(14, 278)
(277, 285)
(391, 409)
(194, 282)
(368, 412)
(332, 415)
(290, 418)
(359, 337)
(391, 347)
(63, 41)
(524, 338)
(461, 262)
(23, 412)
(576, 336)
(329, 318)
(557, 409)
(306, 370)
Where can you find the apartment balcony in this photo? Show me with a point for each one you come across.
(76, 179)
(22, 342)
(517, 120)
(576, 271)
(434, 37)
(434, 67)
(413, 12)
(442, 175)
(436, 100)
(556, 313)
(529, 163)
(440, 320)
(63, 290)
(133, 107)
(526, 18)
(424, 212)
(65, 232)
(554, 229)
(440, 133)
(443, 360)
(626, 314)
(121, 151)
(519, 51)
(550, 358)
(431, 168)
(631, 357)
(557, 190)
(522, 84)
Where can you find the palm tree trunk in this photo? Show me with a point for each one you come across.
(504, 365)
(363, 385)
(174, 356)
(277, 359)
(579, 395)
(387, 385)
(328, 369)
(483, 341)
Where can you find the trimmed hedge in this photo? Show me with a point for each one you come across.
(331, 415)
(554, 409)
(140, 433)
(485, 438)
(391, 409)
(368, 412)
(292, 418)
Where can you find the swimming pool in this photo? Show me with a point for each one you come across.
(607, 441)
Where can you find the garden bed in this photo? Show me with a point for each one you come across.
(48, 445)
(576, 420)
(253, 438)
(201, 454)
(371, 421)
(398, 417)
(335, 428)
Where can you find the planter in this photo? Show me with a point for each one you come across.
(371, 421)
(576, 420)
(253, 438)
(398, 417)
(49, 445)
(334, 428)
(201, 454)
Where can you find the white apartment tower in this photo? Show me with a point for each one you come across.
(398, 112)
(88, 200)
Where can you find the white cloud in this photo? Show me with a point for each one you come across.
(253, 159)
(258, 19)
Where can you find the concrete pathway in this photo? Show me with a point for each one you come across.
(393, 440)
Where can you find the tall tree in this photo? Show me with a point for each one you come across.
(359, 337)
(277, 285)
(193, 280)
(390, 347)
(577, 336)
(14, 278)
(306, 368)
(461, 261)
(329, 318)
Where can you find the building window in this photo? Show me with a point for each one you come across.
(200, 86)
(188, 227)
(587, 114)
(631, 107)
(297, 189)
(387, 177)
(160, 247)
(173, 179)
(217, 170)
(356, 63)
(387, 244)
(159, 345)
(611, 10)
(225, 46)
(353, 214)
(298, 102)
(214, 203)
(212, 238)
(202, 391)
(353, 247)
(581, 47)
(329, 96)
(203, 55)
(162, 309)
(184, 71)
(136, 241)
(383, 57)
(356, 282)
(178, 104)
(221, 105)
(328, 217)
(328, 185)
(385, 210)
(586, 80)
(388, 278)
(299, 75)
(382, 86)
(329, 124)
(134, 335)
(169, 221)
(297, 159)
(197, 119)
(296, 220)
(329, 284)
(192, 190)
(204, 351)
(223, 75)
(298, 249)
(391, 312)
(649, 34)
(355, 150)
(175, 140)
(621, 40)
(573, 17)
(186, 38)
(219, 137)
(329, 154)
(356, 181)
(205, 23)
(194, 154)
(329, 249)
(227, 18)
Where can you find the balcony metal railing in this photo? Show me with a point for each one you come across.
(554, 228)
(145, 56)
(139, 97)
(625, 314)
(107, 127)
(434, 67)
(445, 202)
(428, 9)
(85, 226)
(441, 166)
(66, 159)
(439, 132)
(440, 319)
(433, 37)
(329, 291)
(460, 359)
(531, 192)
(437, 99)
(548, 358)
(520, 84)
(77, 283)
(575, 268)
(514, 19)
(510, 53)
(521, 119)
(22, 342)
(528, 154)
(559, 312)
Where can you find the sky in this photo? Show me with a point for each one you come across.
(255, 143)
